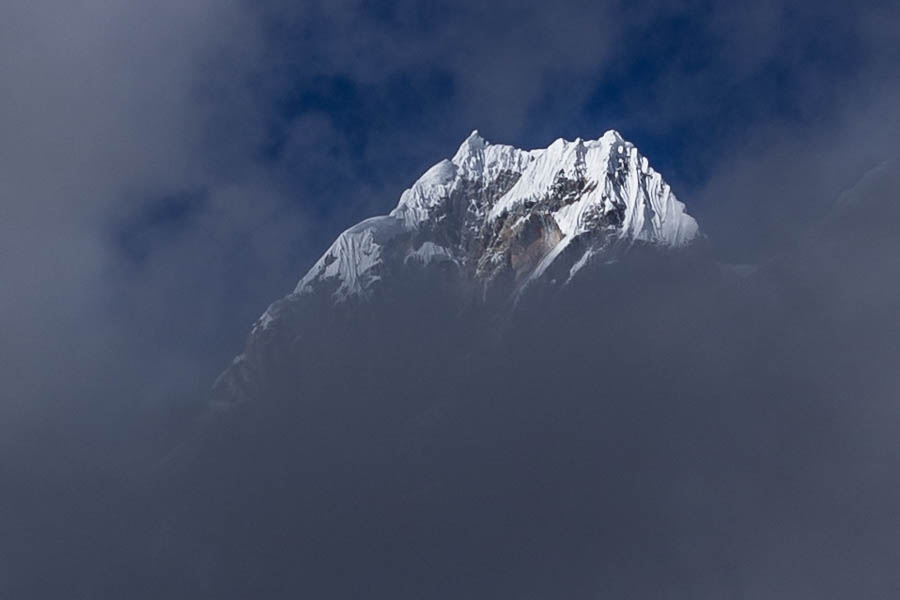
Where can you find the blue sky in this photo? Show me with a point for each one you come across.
(393, 87)
(168, 169)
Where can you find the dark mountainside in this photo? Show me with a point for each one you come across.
(673, 439)
(664, 426)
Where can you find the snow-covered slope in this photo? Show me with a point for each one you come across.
(501, 214)
(489, 226)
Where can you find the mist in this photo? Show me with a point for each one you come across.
(717, 425)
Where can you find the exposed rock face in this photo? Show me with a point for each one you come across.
(486, 227)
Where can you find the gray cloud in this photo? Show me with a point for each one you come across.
(100, 121)
(118, 305)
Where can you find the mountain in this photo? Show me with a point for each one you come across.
(383, 435)
(487, 228)
(505, 218)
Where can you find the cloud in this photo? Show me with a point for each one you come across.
(101, 124)
(166, 170)
(292, 121)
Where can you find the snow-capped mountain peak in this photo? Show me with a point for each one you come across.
(506, 217)
(477, 159)
(489, 226)
(503, 220)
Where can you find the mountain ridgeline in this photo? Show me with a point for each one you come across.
(532, 380)
(494, 228)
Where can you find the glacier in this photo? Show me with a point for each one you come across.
(566, 191)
